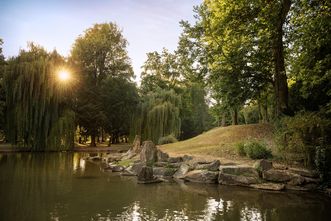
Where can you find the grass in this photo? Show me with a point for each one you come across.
(221, 142)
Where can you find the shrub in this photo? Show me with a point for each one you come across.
(256, 150)
(240, 147)
(167, 139)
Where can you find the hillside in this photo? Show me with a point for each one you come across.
(220, 142)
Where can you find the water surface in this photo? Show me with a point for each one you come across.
(63, 186)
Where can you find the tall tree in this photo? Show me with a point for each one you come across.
(99, 53)
(38, 113)
(2, 90)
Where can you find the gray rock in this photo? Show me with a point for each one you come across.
(304, 172)
(161, 156)
(183, 169)
(145, 174)
(241, 180)
(136, 167)
(175, 159)
(117, 168)
(239, 170)
(161, 164)
(174, 165)
(187, 158)
(268, 186)
(263, 165)
(201, 176)
(163, 172)
(279, 176)
(213, 166)
(148, 154)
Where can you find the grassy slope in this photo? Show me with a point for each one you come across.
(220, 142)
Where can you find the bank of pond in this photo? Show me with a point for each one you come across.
(87, 186)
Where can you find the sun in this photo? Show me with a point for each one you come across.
(63, 75)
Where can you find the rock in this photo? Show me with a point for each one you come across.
(174, 165)
(239, 170)
(304, 172)
(175, 159)
(187, 158)
(136, 147)
(117, 168)
(241, 180)
(296, 188)
(145, 176)
(95, 158)
(161, 156)
(201, 176)
(183, 169)
(268, 186)
(297, 180)
(161, 164)
(163, 172)
(279, 176)
(213, 166)
(136, 167)
(148, 154)
(263, 165)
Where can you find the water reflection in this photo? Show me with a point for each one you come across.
(45, 187)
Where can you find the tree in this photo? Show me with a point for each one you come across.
(2, 91)
(120, 101)
(99, 53)
(38, 105)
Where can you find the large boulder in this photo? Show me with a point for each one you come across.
(136, 148)
(239, 170)
(163, 172)
(161, 156)
(213, 166)
(146, 175)
(201, 176)
(175, 159)
(136, 168)
(304, 172)
(263, 165)
(238, 175)
(183, 169)
(279, 176)
(148, 154)
(240, 180)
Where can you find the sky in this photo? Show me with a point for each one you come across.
(148, 25)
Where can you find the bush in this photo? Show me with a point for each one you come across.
(167, 139)
(298, 137)
(256, 150)
(241, 149)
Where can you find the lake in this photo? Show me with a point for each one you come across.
(63, 186)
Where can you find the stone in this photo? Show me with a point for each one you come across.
(213, 166)
(136, 147)
(297, 180)
(163, 172)
(239, 170)
(174, 165)
(279, 176)
(183, 169)
(95, 158)
(175, 159)
(268, 186)
(145, 174)
(117, 168)
(201, 176)
(241, 180)
(187, 158)
(263, 165)
(148, 154)
(304, 172)
(161, 156)
(161, 164)
(136, 167)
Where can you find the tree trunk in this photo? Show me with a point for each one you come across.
(223, 119)
(235, 117)
(93, 144)
(281, 87)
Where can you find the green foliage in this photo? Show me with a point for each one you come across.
(240, 148)
(37, 104)
(100, 54)
(167, 139)
(299, 136)
(254, 150)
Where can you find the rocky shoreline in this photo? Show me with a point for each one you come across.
(151, 165)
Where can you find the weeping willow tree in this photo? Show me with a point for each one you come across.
(38, 117)
(158, 115)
